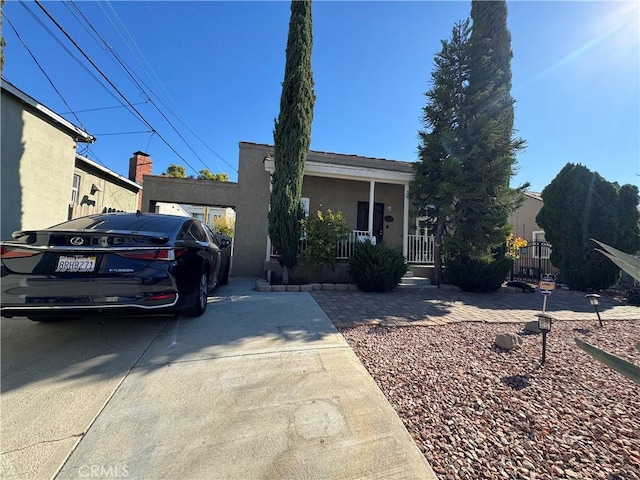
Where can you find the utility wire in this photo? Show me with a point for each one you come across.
(139, 115)
(138, 81)
(45, 28)
(40, 67)
(101, 108)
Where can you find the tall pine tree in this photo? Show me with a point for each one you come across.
(292, 138)
(436, 186)
(488, 162)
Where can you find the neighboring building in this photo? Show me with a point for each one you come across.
(96, 189)
(209, 214)
(44, 180)
(524, 219)
(38, 155)
(167, 208)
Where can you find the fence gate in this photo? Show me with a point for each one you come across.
(533, 263)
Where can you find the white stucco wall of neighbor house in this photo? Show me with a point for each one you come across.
(37, 168)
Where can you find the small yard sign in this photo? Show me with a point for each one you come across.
(547, 285)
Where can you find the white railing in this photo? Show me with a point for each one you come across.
(345, 246)
(421, 249)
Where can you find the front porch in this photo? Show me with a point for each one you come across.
(420, 248)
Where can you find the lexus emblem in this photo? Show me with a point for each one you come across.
(77, 241)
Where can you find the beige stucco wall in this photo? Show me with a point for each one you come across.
(344, 195)
(37, 169)
(523, 220)
(187, 190)
(252, 222)
(118, 195)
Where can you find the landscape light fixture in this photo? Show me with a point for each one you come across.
(593, 300)
(544, 324)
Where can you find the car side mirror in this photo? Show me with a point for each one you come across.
(225, 242)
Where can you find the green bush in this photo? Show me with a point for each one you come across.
(481, 274)
(376, 268)
(322, 232)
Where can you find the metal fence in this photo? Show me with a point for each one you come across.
(533, 263)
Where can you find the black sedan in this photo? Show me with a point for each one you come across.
(113, 262)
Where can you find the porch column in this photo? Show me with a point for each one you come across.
(405, 222)
(372, 190)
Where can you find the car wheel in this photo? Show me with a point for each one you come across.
(225, 277)
(200, 303)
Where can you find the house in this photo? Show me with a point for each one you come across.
(96, 189)
(523, 220)
(44, 180)
(371, 193)
(533, 261)
(38, 154)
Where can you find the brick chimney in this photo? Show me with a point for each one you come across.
(139, 165)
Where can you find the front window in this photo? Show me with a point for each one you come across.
(305, 202)
(541, 249)
(75, 189)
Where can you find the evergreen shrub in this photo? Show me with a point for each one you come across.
(376, 268)
(477, 274)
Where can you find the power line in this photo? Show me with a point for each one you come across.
(133, 75)
(40, 67)
(101, 108)
(52, 35)
(139, 115)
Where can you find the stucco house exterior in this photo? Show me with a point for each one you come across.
(38, 155)
(523, 220)
(44, 180)
(371, 193)
(96, 189)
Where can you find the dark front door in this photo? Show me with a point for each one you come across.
(363, 218)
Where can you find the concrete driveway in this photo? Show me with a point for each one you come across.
(260, 387)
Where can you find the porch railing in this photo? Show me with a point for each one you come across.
(345, 246)
(420, 249)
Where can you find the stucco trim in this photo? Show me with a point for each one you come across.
(110, 173)
(347, 172)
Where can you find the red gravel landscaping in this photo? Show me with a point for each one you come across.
(479, 412)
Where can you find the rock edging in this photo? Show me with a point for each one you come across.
(265, 286)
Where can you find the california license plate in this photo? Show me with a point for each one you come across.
(76, 264)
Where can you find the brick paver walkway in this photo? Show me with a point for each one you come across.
(432, 306)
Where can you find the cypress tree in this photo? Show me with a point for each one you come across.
(292, 138)
(488, 161)
(578, 205)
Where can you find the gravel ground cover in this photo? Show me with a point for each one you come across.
(479, 412)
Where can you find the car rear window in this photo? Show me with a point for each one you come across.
(148, 223)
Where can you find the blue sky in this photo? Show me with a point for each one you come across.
(214, 69)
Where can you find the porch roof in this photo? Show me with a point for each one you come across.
(353, 167)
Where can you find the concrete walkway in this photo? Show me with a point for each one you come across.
(261, 387)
